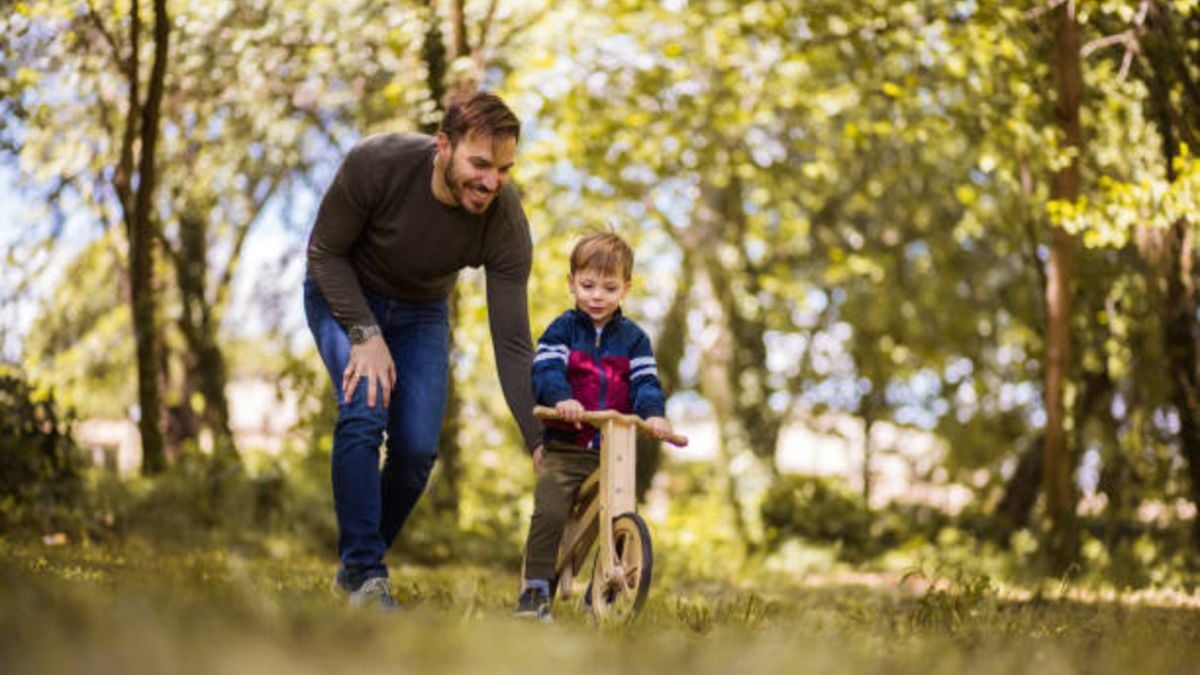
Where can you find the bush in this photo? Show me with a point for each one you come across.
(40, 465)
(276, 507)
(818, 509)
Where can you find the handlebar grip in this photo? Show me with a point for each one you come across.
(596, 418)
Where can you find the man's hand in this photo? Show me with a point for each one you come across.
(570, 410)
(538, 454)
(660, 428)
(370, 361)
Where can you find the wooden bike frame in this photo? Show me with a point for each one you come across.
(608, 493)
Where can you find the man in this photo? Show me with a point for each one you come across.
(403, 215)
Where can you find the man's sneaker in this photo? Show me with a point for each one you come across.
(534, 604)
(374, 592)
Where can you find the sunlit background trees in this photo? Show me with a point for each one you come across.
(973, 221)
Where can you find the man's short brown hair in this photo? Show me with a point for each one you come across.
(481, 112)
(604, 252)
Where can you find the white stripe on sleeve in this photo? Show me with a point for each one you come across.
(643, 372)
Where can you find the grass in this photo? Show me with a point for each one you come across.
(73, 609)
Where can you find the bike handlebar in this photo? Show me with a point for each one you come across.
(599, 417)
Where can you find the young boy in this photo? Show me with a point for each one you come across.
(590, 358)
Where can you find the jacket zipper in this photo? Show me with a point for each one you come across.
(603, 403)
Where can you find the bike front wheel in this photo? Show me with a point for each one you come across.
(620, 597)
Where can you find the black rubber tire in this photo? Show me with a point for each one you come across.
(631, 543)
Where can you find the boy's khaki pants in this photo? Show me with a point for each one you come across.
(564, 468)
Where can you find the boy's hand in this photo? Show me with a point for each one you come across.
(570, 410)
(660, 428)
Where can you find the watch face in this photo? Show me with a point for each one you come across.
(361, 333)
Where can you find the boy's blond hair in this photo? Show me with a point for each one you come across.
(604, 252)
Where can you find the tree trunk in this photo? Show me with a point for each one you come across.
(668, 352)
(1116, 479)
(1094, 420)
(1057, 470)
(868, 417)
(146, 337)
(1020, 494)
(1180, 336)
(1174, 102)
(437, 61)
(720, 378)
(136, 203)
(205, 362)
(433, 53)
(458, 26)
(748, 374)
(447, 494)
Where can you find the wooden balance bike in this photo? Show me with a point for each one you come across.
(606, 509)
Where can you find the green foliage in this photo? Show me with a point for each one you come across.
(1135, 555)
(1163, 196)
(81, 344)
(818, 509)
(696, 538)
(281, 507)
(489, 527)
(853, 198)
(950, 603)
(40, 465)
(701, 615)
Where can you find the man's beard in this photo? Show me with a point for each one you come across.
(456, 186)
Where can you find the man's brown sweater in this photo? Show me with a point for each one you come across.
(380, 227)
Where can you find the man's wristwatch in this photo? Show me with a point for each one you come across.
(359, 334)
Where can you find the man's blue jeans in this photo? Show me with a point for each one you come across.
(372, 504)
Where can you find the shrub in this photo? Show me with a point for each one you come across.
(818, 509)
(40, 465)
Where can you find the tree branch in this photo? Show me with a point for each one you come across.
(523, 26)
(243, 231)
(125, 64)
(797, 380)
(458, 29)
(1129, 38)
(485, 27)
(1125, 37)
(123, 180)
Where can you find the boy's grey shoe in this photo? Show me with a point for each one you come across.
(534, 603)
(374, 592)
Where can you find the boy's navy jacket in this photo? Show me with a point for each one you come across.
(611, 371)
